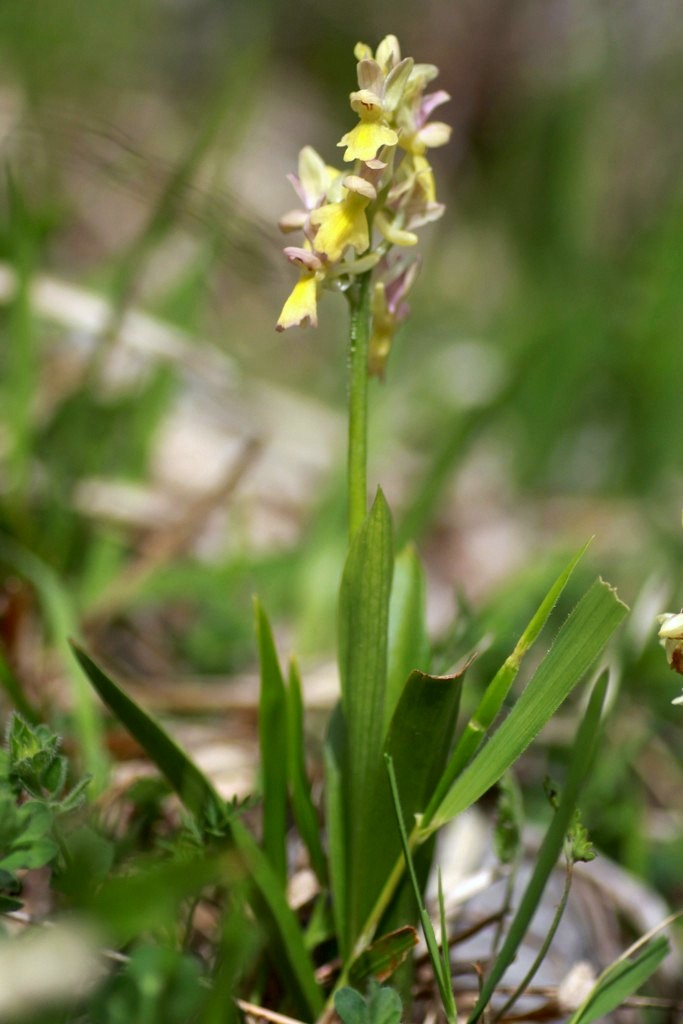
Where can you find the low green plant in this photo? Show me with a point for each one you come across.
(34, 798)
(382, 1006)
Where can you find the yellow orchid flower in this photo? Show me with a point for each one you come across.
(372, 131)
(301, 308)
(365, 140)
(345, 223)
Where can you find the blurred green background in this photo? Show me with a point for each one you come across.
(164, 453)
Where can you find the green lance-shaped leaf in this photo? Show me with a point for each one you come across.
(583, 753)
(419, 737)
(363, 633)
(304, 810)
(273, 746)
(492, 701)
(408, 640)
(335, 754)
(285, 935)
(619, 981)
(579, 642)
(200, 797)
(191, 785)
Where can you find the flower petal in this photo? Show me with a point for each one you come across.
(361, 186)
(424, 178)
(354, 266)
(294, 220)
(300, 309)
(303, 258)
(388, 53)
(313, 175)
(367, 104)
(365, 140)
(370, 75)
(435, 134)
(393, 234)
(431, 102)
(340, 225)
(398, 287)
(672, 626)
(362, 51)
(397, 79)
(420, 76)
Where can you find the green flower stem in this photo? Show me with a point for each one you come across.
(359, 342)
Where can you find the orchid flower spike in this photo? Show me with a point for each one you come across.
(351, 220)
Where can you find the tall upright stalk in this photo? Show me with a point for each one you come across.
(357, 465)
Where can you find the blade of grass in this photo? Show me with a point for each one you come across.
(619, 981)
(442, 977)
(273, 747)
(583, 752)
(615, 969)
(304, 810)
(201, 799)
(363, 630)
(578, 643)
(496, 692)
(191, 785)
